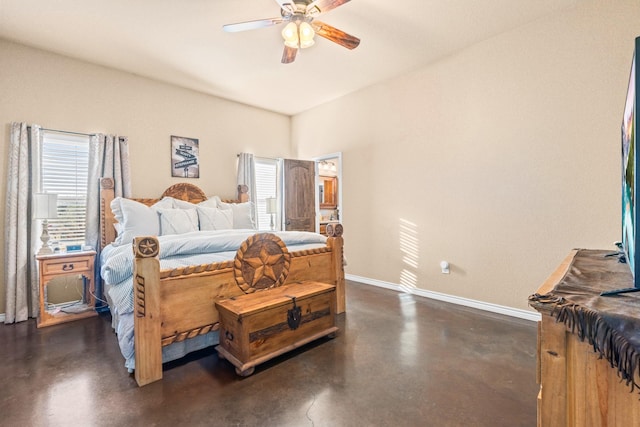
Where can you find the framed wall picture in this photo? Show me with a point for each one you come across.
(184, 157)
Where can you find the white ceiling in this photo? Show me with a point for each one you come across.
(182, 42)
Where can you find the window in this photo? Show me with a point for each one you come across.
(64, 169)
(266, 187)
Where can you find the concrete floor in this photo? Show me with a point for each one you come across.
(398, 360)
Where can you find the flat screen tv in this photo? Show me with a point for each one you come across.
(630, 180)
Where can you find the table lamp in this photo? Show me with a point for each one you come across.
(272, 209)
(45, 207)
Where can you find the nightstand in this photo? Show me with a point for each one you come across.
(66, 265)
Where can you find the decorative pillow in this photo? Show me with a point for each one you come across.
(214, 218)
(211, 202)
(135, 219)
(165, 203)
(177, 221)
(182, 204)
(242, 214)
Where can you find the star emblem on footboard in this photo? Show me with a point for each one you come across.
(145, 247)
(262, 262)
(264, 265)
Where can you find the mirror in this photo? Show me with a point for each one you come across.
(328, 192)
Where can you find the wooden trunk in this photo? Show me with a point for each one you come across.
(257, 327)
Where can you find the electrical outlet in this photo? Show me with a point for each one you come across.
(444, 266)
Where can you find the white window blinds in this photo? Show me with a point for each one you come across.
(266, 187)
(64, 171)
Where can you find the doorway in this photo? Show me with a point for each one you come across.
(329, 190)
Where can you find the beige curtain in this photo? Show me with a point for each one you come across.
(247, 173)
(108, 158)
(20, 231)
(247, 176)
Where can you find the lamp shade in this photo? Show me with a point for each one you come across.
(272, 206)
(45, 206)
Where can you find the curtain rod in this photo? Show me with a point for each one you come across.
(66, 131)
(263, 157)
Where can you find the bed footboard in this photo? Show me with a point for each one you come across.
(172, 305)
(336, 243)
(146, 299)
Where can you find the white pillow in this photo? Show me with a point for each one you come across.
(211, 202)
(182, 204)
(165, 203)
(242, 214)
(135, 219)
(214, 218)
(177, 221)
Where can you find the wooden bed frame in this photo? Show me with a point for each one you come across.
(176, 304)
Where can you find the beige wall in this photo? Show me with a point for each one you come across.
(61, 93)
(499, 159)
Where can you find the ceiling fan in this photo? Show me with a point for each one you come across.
(301, 26)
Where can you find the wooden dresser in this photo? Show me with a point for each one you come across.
(577, 387)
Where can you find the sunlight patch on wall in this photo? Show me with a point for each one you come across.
(409, 243)
(410, 249)
(408, 281)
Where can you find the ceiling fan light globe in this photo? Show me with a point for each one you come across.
(307, 43)
(290, 35)
(306, 35)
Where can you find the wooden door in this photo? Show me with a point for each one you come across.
(299, 195)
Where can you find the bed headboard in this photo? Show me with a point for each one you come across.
(182, 191)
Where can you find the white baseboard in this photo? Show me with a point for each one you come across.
(494, 308)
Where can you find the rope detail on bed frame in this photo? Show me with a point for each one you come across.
(215, 266)
(194, 269)
(139, 300)
(103, 224)
(310, 252)
(181, 336)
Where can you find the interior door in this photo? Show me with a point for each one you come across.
(299, 195)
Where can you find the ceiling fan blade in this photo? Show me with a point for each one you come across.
(322, 6)
(251, 25)
(335, 35)
(289, 54)
(287, 5)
